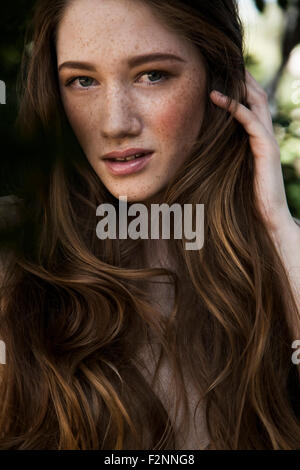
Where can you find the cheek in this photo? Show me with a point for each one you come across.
(169, 120)
(80, 119)
(179, 119)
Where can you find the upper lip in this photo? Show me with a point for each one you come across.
(126, 153)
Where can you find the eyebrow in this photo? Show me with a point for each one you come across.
(132, 61)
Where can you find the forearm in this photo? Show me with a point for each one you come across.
(287, 242)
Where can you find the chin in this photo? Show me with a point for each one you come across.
(143, 194)
(140, 188)
(135, 196)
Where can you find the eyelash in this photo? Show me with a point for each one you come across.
(166, 76)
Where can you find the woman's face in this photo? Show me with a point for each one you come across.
(117, 103)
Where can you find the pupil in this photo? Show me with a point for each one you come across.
(83, 81)
(154, 72)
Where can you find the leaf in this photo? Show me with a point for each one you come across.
(260, 5)
(283, 4)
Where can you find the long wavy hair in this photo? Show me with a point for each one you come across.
(76, 310)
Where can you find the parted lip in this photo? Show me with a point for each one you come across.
(125, 153)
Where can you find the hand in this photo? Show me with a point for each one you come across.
(268, 179)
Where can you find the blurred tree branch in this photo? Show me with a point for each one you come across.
(290, 39)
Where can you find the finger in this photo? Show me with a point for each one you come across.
(258, 102)
(245, 116)
(250, 79)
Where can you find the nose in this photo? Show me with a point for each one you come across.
(119, 115)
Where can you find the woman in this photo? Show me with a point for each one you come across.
(141, 344)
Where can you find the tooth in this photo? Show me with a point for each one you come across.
(128, 159)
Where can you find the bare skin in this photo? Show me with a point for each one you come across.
(123, 106)
(121, 109)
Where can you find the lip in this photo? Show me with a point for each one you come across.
(127, 168)
(126, 153)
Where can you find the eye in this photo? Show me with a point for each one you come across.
(86, 82)
(154, 73)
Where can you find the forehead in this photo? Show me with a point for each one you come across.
(114, 29)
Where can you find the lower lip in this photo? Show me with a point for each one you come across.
(126, 168)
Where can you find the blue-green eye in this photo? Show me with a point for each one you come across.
(85, 82)
(165, 76)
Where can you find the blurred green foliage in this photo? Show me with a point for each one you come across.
(272, 37)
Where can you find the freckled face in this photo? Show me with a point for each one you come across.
(116, 105)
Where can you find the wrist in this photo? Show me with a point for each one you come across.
(287, 232)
